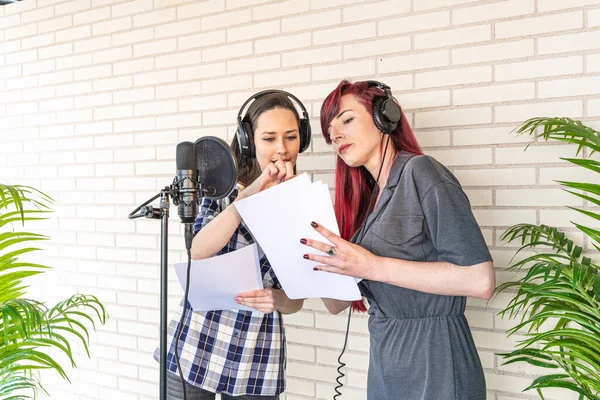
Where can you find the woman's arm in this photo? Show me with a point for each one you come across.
(335, 306)
(437, 277)
(215, 235)
(441, 278)
(285, 305)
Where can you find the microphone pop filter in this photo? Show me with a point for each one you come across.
(217, 169)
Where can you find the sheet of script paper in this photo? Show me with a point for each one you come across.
(215, 281)
(278, 218)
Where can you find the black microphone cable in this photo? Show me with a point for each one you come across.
(340, 362)
(360, 231)
(180, 326)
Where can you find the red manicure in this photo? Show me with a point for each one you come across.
(314, 225)
(305, 256)
(303, 241)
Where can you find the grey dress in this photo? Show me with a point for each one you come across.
(421, 344)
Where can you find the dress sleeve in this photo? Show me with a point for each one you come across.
(452, 226)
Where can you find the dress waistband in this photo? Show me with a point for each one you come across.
(431, 317)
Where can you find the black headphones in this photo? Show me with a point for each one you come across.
(245, 134)
(386, 112)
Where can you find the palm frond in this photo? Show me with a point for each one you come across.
(17, 195)
(592, 165)
(17, 216)
(561, 285)
(562, 129)
(20, 382)
(30, 332)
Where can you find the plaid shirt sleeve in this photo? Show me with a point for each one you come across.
(269, 277)
(209, 209)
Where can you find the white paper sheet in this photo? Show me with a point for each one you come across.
(278, 218)
(215, 281)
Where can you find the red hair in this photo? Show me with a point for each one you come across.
(354, 185)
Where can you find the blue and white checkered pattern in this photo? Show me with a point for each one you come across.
(234, 352)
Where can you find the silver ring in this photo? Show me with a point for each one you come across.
(331, 251)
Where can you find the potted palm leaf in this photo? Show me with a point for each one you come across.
(558, 297)
(31, 331)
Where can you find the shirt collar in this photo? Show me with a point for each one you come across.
(396, 170)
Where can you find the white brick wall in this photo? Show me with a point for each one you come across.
(95, 94)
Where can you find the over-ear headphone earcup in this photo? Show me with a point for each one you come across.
(392, 113)
(249, 134)
(386, 112)
(244, 137)
(378, 117)
(304, 134)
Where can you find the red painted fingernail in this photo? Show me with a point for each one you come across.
(305, 256)
(314, 225)
(303, 241)
(315, 269)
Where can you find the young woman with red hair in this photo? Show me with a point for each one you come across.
(417, 248)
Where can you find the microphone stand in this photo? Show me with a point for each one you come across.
(205, 148)
(161, 213)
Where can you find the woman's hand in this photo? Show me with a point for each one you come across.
(348, 258)
(273, 174)
(264, 300)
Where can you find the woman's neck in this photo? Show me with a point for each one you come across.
(374, 165)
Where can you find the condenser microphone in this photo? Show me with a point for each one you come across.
(187, 187)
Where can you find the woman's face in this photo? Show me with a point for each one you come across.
(353, 133)
(276, 137)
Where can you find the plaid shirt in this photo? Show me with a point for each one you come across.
(235, 352)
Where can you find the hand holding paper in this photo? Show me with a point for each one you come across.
(263, 300)
(347, 259)
(278, 217)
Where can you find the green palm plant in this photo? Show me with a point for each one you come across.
(30, 331)
(558, 298)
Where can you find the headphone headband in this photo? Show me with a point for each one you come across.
(386, 89)
(262, 93)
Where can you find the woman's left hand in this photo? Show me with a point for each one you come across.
(264, 300)
(349, 259)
